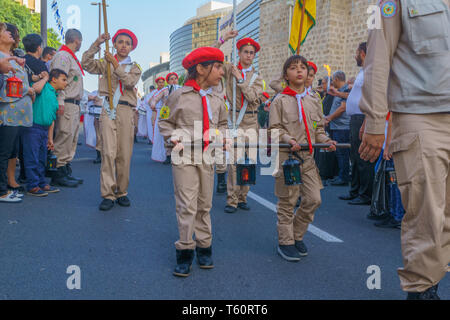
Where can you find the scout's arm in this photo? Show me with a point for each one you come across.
(130, 79)
(62, 62)
(155, 100)
(39, 86)
(252, 93)
(89, 63)
(276, 123)
(381, 46)
(168, 126)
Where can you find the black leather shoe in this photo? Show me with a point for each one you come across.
(360, 202)
(221, 183)
(430, 294)
(348, 197)
(375, 217)
(301, 247)
(204, 258)
(124, 201)
(106, 205)
(69, 175)
(99, 158)
(184, 263)
(389, 222)
(60, 179)
(243, 206)
(230, 209)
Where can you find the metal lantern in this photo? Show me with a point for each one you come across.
(51, 162)
(246, 172)
(291, 170)
(14, 87)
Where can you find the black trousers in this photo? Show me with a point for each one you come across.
(7, 144)
(363, 172)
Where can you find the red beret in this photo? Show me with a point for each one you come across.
(248, 42)
(127, 32)
(265, 94)
(201, 55)
(160, 78)
(171, 74)
(312, 65)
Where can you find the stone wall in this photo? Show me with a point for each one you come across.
(340, 27)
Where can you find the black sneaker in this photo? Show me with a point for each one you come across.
(376, 217)
(124, 202)
(168, 160)
(389, 222)
(184, 263)
(301, 247)
(430, 294)
(106, 205)
(230, 209)
(204, 258)
(243, 206)
(60, 179)
(70, 176)
(289, 253)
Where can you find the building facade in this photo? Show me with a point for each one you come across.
(199, 31)
(33, 5)
(340, 26)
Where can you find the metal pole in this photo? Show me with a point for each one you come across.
(291, 5)
(303, 2)
(108, 65)
(44, 22)
(234, 64)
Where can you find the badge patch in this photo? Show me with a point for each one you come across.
(75, 78)
(315, 124)
(389, 9)
(164, 113)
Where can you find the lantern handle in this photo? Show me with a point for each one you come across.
(295, 154)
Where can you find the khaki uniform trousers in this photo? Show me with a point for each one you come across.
(193, 186)
(421, 149)
(98, 135)
(117, 149)
(293, 226)
(66, 138)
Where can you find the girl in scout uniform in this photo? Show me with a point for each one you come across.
(296, 118)
(117, 125)
(196, 103)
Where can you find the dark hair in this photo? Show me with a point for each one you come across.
(124, 34)
(56, 73)
(192, 71)
(47, 50)
(72, 35)
(32, 42)
(363, 47)
(294, 60)
(13, 30)
(152, 88)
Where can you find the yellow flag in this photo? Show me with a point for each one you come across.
(308, 23)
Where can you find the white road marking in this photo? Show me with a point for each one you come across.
(314, 230)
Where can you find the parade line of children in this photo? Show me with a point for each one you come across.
(295, 116)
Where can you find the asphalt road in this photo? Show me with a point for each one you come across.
(128, 253)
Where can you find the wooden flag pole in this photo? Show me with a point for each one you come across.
(108, 65)
(303, 2)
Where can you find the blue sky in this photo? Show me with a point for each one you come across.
(152, 20)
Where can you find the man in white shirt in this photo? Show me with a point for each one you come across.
(363, 172)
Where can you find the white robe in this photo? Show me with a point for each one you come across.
(158, 150)
(142, 122)
(149, 114)
(88, 125)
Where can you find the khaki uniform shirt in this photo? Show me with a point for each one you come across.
(129, 80)
(285, 116)
(186, 108)
(74, 90)
(407, 67)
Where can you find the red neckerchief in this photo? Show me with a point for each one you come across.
(67, 49)
(192, 83)
(242, 95)
(120, 82)
(288, 91)
(388, 116)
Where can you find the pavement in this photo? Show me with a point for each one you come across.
(128, 253)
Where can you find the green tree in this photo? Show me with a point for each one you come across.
(17, 14)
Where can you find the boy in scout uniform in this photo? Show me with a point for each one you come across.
(407, 72)
(196, 102)
(68, 122)
(117, 125)
(249, 88)
(295, 118)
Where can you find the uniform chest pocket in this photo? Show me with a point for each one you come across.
(315, 121)
(429, 26)
(290, 116)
